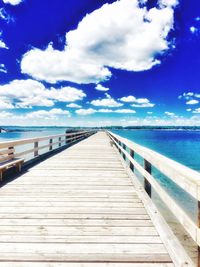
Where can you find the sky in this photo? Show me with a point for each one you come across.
(99, 62)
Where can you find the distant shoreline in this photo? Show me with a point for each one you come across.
(4, 129)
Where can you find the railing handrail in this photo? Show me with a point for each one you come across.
(183, 176)
(25, 141)
(151, 158)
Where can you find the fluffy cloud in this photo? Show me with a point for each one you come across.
(192, 102)
(47, 113)
(28, 93)
(84, 112)
(73, 105)
(3, 45)
(171, 114)
(13, 2)
(106, 102)
(100, 87)
(116, 111)
(137, 102)
(197, 110)
(3, 68)
(122, 35)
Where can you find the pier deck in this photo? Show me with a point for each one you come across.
(78, 208)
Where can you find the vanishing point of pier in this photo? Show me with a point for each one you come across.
(84, 207)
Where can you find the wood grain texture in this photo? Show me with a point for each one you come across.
(78, 208)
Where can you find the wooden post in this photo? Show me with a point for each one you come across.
(66, 139)
(51, 146)
(147, 185)
(124, 147)
(198, 224)
(11, 153)
(36, 149)
(60, 143)
(130, 163)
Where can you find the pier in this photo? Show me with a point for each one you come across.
(82, 205)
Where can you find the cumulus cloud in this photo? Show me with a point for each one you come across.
(13, 2)
(52, 113)
(171, 114)
(116, 111)
(73, 105)
(197, 110)
(3, 45)
(29, 93)
(192, 102)
(85, 112)
(100, 87)
(122, 35)
(3, 68)
(137, 102)
(106, 102)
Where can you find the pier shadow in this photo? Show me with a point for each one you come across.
(12, 174)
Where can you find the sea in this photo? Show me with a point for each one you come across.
(182, 146)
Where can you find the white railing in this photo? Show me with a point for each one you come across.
(184, 177)
(34, 147)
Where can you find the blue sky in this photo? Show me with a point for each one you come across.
(86, 63)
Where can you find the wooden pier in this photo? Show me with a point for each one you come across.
(83, 207)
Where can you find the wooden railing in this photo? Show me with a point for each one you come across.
(184, 177)
(33, 146)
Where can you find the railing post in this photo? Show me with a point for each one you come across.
(35, 149)
(51, 146)
(66, 139)
(130, 163)
(147, 185)
(60, 143)
(198, 224)
(11, 153)
(123, 154)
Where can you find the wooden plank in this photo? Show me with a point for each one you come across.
(134, 239)
(73, 222)
(84, 264)
(83, 210)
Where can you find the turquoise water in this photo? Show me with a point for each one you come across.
(182, 146)
(30, 132)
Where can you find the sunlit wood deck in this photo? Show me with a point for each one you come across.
(79, 208)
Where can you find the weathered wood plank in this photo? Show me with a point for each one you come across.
(78, 208)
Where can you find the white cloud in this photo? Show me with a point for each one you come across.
(197, 110)
(47, 113)
(171, 114)
(128, 99)
(3, 45)
(100, 87)
(106, 102)
(137, 102)
(122, 35)
(13, 2)
(171, 3)
(125, 111)
(193, 29)
(29, 93)
(116, 111)
(192, 102)
(73, 105)
(143, 105)
(3, 68)
(84, 112)
(5, 104)
(149, 112)
(188, 109)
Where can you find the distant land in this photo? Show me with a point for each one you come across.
(4, 129)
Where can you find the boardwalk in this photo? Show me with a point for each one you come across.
(78, 208)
